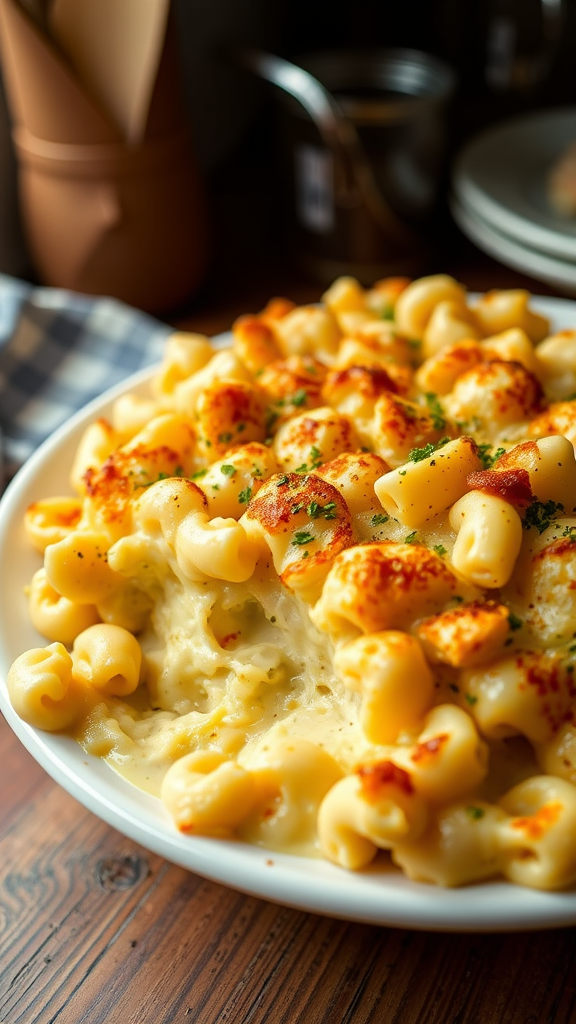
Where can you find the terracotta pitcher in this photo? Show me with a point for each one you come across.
(100, 215)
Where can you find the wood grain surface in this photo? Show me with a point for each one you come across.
(96, 930)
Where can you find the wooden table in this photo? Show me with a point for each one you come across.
(96, 930)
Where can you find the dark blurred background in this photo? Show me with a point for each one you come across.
(509, 57)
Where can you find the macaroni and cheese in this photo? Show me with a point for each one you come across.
(317, 591)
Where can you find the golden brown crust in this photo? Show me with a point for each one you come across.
(254, 343)
(283, 496)
(471, 634)
(124, 474)
(369, 381)
(512, 485)
(229, 412)
(558, 418)
(314, 521)
(292, 384)
(378, 777)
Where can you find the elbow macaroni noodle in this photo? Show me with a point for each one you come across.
(317, 591)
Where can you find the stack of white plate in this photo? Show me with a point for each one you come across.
(500, 196)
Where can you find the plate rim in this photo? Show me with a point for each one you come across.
(553, 271)
(380, 895)
(474, 194)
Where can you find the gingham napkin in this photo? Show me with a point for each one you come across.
(58, 350)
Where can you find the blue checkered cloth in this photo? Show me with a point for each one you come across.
(58, 350)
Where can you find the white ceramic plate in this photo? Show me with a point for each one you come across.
(500, 177)
(380, 895)
(558, 273)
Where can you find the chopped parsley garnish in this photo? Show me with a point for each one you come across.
(570, 532)
(411, 537)
(198, 474)
(272, 418)
(418, 454)
(474, 423)
(540, 514)
(410, 413)
(148, 483)
(415, 343)
(299, 398)
(302, 537)
(475, 813)
(315, 456)
(379, 519)
(387, 313)
(161, 476)
(283, 480)
(315, 460)
(245, 495)
(436, 411)
(224, 438)
(483, 453)
(514, 622)
(470, 699)
(487, 456)
(439, 549)
(227, 469)
(497, 454)
(329, 510)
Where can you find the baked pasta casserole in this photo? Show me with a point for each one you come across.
(317, 590)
